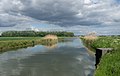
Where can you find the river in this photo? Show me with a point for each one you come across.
(69, 58)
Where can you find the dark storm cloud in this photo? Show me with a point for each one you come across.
(53, 11)
(63, 13)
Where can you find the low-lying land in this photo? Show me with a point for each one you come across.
(19, 39)
(110, 63)
(7, 43)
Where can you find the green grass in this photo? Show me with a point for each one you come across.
(18, 38)
(110, 63)
(7, 43)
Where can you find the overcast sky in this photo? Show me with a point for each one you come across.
(80, 16)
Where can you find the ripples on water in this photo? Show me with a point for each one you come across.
(63, 59)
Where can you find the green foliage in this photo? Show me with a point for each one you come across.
(103, 42)
(110, 63)
(17, 42)
(106, 42)
(35, 34)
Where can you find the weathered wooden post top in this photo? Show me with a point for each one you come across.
(101, 52)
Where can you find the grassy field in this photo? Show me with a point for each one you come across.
(18, 38)
(110, 63)
(7, 43)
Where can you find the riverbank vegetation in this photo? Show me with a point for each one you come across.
(19, 39)
(110, 63)
(7, 43)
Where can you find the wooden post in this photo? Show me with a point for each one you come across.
(100, 52)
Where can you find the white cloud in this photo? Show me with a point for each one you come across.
(83, 13)
(87, 1)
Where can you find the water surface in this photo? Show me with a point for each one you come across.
(69, 58)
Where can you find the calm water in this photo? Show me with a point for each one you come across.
(63, 59)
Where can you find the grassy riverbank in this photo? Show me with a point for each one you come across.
(110, 63)
(7, 43)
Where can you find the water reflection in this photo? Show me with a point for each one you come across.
(50, 45)
(54, 44)
(65, 59)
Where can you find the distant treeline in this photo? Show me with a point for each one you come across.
(35, 34)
